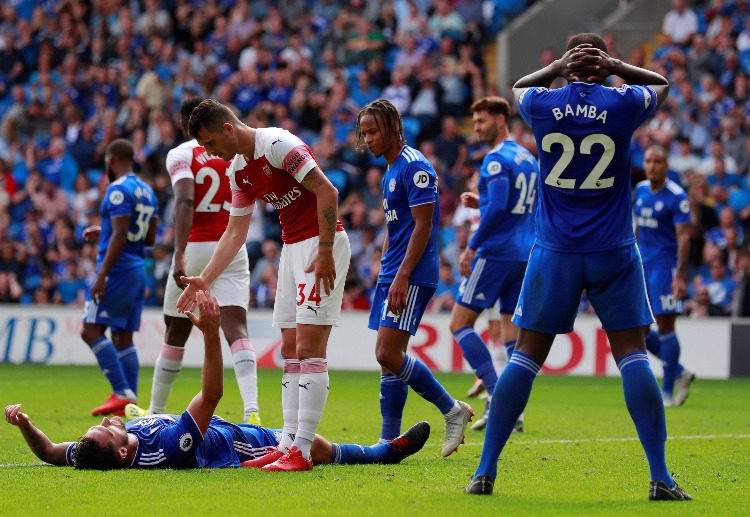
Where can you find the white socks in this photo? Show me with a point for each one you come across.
(313, 393)
(166, 369)
(245, 369)
(289, 403)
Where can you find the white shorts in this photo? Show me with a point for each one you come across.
(294, 290)
(493, 313)
(231, 287)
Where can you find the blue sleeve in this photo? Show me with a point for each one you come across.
(420, 185)
(119, 201)
(180, 441)
(524, 104)
(498, 189)
(681, 212)
(647, 98)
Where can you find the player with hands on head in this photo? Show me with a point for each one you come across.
(276, 166)
(584, 240)
(409, 273)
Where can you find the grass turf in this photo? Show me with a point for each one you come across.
(578, 456)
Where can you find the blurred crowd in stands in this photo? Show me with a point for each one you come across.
(76, 74)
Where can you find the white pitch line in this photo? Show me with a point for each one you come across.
(631, 439)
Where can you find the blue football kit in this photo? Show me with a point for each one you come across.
(657, 216)
(584, 217)
(174, 441)
(121, 307)
(410, 181)
(507, 196)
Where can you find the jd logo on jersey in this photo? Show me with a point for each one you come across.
(421, 179)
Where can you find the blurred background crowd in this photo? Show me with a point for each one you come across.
(76, 74)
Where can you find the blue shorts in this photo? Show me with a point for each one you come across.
(123, 301)
(228, 445)
(417, 299)
(659, 287)
(492, 280)
(554, 282)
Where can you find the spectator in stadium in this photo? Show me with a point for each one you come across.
(680, 24)
(548, 305)
(117, 295)
(196, 438)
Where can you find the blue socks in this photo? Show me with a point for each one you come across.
(653, 344)
(357, 454)
(109, 362)
(670, 358)
(508, 402)
(477, 355)
(414, 373)
(130, 366)
(393, 393)
(644, 404)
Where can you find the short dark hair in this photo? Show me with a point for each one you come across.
(90, 455)
(492, 104)
(209, 114)
(383, 111)
(122, 150)
(592, 39)
(186, 109)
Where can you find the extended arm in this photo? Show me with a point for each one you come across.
(44, 448)
(231, 241)
(679, 284)
(204, 404)
(422, 215)
(184, 195)
(327, 202)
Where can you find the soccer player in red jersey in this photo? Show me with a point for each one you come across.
(202, 202)
(276, 166)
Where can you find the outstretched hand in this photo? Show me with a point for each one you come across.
(187, 301)
(209, 318)
(14, 416)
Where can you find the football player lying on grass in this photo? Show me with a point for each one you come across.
(196, 438)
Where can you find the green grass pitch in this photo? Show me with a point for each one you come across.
(578, 456)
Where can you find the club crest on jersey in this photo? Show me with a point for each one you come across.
(392, 185)
(186, 441)
(494, 168)
(421, 179)
(267, 170)
(658, 206)
(116, 197)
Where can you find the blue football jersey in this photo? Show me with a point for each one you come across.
(583, 134)
(410, 181)
(127, 196)
(512, 233)
(657, 215)
(175, 441)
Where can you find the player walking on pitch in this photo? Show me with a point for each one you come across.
(584, 240)
(662, 217)
(495, 260)
(409, 273)
(202, 203)
(278, 167)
